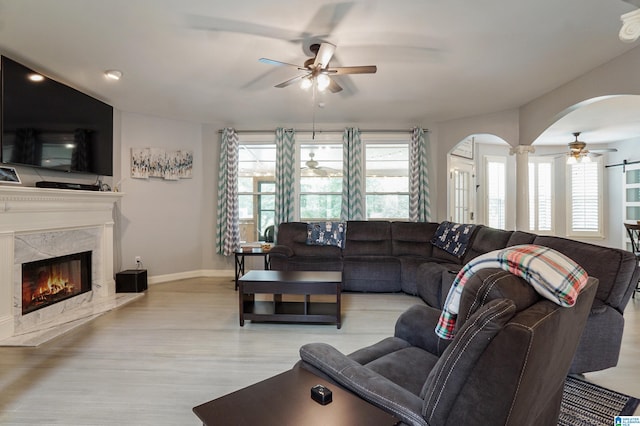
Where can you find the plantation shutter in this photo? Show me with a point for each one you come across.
(585, 198)
(541, 196)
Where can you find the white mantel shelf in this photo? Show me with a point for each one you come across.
(45, 206)
(39, 223)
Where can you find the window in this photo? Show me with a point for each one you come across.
(256, 188)
(387, 179)
(584, 206)
(495, 193)
(320, 181)
(541, 195)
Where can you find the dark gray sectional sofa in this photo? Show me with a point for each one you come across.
(383, 256)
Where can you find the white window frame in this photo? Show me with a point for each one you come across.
(535, 161)
(319, 139)
(599, 233)
(373, 139)
(489, 159)
(254, 139)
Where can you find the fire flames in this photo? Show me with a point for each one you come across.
(51, 286)
(55, 285)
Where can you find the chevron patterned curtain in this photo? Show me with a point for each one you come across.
(285, 156)
(228, 232)
(352, 184)
(419, 202)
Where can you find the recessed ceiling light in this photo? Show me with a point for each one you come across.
(113, 74)
(36, 77)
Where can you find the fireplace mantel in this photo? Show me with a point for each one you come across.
(31, 215)
(49, 208)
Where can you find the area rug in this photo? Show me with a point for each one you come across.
(587, 404)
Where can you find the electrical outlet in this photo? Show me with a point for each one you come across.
(138, 260)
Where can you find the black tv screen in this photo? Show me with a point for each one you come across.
(51, 125)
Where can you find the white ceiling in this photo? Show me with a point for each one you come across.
(437, 60)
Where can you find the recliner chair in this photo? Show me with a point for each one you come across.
(506, 365)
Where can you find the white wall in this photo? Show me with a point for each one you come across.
(161, 220)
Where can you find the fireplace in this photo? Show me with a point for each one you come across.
(49, 281)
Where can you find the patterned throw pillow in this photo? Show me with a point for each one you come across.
(326, 233)
(453, 237)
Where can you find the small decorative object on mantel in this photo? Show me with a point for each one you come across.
(9, 175)
(157, 162)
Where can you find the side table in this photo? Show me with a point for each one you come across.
(239, 258)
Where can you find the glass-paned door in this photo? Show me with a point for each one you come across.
(462, 192)
(631, 198)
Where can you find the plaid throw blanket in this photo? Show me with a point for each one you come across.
(552, 275)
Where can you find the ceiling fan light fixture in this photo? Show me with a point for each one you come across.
(571, 160)
(323, 81)
(306, 83)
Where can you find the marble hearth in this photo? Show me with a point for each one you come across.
(38, 224)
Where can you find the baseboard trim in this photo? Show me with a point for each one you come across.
(202, 273)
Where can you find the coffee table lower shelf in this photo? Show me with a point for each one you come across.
(294, 312)
(280, 283)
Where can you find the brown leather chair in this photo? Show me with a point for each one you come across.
(506, 365)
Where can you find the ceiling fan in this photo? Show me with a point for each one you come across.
(578, 151)
(312, 167)
(317, 69)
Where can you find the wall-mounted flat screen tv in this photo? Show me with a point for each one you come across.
(48, 124)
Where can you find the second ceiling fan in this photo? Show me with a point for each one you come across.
(578, 151)
(317, 69)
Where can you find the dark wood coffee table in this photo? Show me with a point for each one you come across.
(290, 282)
(285, 400)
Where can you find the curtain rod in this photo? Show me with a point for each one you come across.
(325, 131)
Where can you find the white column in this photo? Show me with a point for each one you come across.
(522, 185)
(107, 260)
(630, 30)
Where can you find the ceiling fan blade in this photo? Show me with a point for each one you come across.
(364, 69)
(334, 87)
(325, 53)
(291, 81)
(210, 23)
(279, 63)
(327, 18)
(603, 150)
(553, 154)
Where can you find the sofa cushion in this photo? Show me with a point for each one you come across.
(371, 273)
(412, 238)
(368, 238)
(485, 240)
(520, 237)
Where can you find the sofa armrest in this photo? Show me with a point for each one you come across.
(417, 326)
(364, 382)
(281, 251)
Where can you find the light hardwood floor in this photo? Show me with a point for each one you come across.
(152, 361)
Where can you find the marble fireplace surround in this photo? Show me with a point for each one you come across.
(41, 223)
